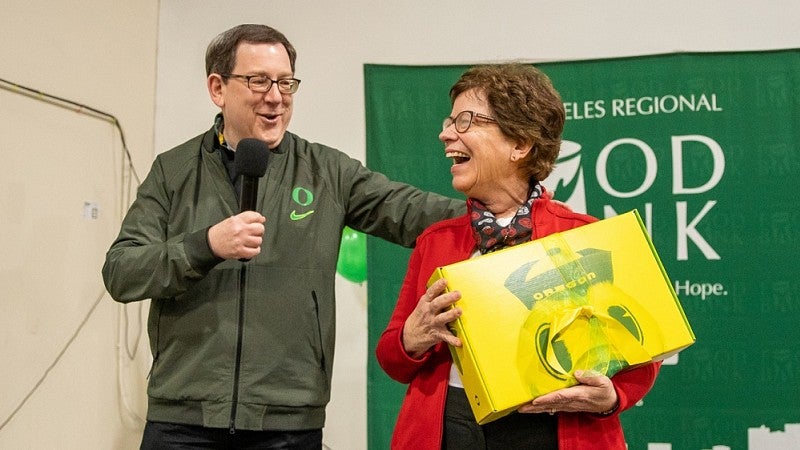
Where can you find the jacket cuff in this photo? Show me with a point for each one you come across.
(198, 251)
(610, 411)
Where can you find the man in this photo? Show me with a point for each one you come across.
(243, 351)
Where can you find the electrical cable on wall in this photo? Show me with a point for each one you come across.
(125, 195)
(78, 108)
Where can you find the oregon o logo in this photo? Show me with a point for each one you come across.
(302, 196)
(563, 364)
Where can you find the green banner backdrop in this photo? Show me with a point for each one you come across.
(707, 148)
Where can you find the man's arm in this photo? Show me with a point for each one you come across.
(142, 263)
(395, 211)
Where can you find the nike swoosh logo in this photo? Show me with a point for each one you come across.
(295, 216)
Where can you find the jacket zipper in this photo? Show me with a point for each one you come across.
(319, 332)
(157, 346)
(236, 368)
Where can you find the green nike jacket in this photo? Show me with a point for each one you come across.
(250, 345)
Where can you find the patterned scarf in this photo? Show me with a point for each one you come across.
(489, 236)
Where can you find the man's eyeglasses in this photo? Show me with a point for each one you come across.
(262, 83)
(464, 119)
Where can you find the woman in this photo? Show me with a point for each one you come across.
(503, 136)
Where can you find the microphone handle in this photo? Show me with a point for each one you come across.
(247, 197)
(248, 194)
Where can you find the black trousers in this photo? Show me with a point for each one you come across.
(514, 431)
(174, 436)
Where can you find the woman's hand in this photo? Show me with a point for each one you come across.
(594, 394)
(427, 324)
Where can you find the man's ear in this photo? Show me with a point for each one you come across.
(216, 89)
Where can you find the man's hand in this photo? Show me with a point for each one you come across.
(237, 237)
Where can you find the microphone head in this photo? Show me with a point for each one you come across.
(251, 158)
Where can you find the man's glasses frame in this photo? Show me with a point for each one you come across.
(263, 83)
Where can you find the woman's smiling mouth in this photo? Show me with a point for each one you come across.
(457, 157)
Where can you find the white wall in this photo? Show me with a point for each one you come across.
(335, 39)
(67, 381)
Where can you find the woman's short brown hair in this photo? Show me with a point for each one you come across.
(527, 107)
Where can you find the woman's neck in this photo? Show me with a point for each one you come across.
(506, 201)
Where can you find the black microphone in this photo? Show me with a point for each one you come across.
(250, 163)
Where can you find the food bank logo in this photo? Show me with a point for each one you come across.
(690, 181)
(567, 177)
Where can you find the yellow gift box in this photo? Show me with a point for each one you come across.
(592, 298)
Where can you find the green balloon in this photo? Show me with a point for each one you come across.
(352, 263)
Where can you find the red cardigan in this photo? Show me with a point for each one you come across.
(420, 421)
